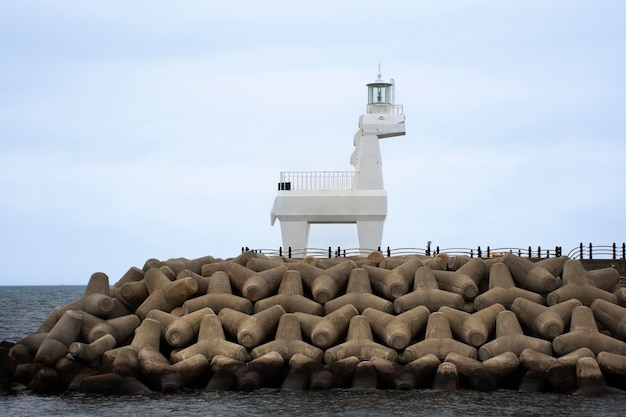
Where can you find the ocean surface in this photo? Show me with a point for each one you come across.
(23, 309)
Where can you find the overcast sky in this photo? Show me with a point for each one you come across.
(132, 130)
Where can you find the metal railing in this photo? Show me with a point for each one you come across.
(315, 180)
(383, 108)
(590, 251)
(613, 251)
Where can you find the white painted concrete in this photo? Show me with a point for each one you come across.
(317, 197)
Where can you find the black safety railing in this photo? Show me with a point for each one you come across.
(589, 251)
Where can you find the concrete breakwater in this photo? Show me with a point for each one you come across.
(370, 322)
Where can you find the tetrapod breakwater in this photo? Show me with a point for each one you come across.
(365, 322)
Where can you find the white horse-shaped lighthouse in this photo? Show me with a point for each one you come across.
(358, 196)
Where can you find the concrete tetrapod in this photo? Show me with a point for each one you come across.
(97, 296)
(437, 341)
(96, 299)
(133, 274)
(263, 284)
(365, 376)
(529, 275)
(112, 383)
(91, 353)
(590, 380)
(604, 278)
(264, 371)
(547, 322)
(612, 316)
(473, 268)
(165, 377)
(261, 264)
(203, 282)
(147, 336)
(325, 284)
(59, 338)
(417, 374)
(133, 293)
(24, 350)
(455, 262)
(219, 295)
(168, 296)
(396, 282)
(426, 293)
(301, 368)
(122, 328)
(291, 297)
(225, 372)
(510, 337)
(328, 330)
(237, 273)
(179, 331)
(288, 341)
(211, 342)
(553, 265)
(359, 294)
(342, 371)
(155, 278)
(577, 285)
(360, 343)
(397, 331)
(125, 362)
(386, 372)
(558, 373)
(446, 377)
(502, 289)
(437, 263)
(458, 283)
(251, 331)
(614, 368)
(484, 376)
(322, 379)
(472, 329)
(184, 329)
(584, 333)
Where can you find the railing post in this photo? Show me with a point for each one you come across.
(623, 250)
(428, 248)
(479, 252)
(614, 251)
(547, 253)
(471, 253)
(539, 252)
(519, 253)
(388, 252)
(437, 249)
(581, 250)
(590, 251)
(280, 251)
(488, 252)
(329, 252)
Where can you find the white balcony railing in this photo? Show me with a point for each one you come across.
(315, 181)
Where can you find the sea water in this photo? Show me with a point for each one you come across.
(24, 308)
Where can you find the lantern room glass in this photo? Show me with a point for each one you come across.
(379, 93)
